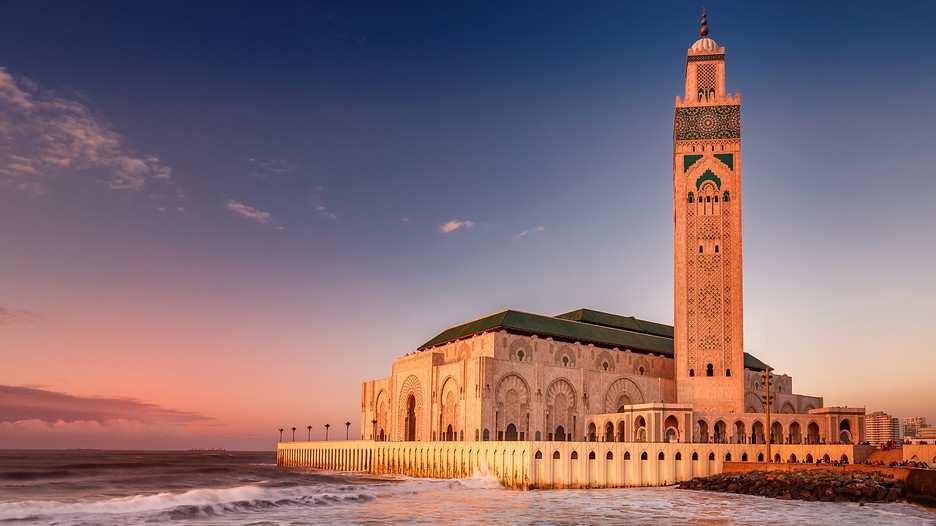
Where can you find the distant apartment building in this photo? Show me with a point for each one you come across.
(912, 425)
(880, 428)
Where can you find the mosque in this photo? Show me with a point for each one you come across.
(520, 395)
(587, 375)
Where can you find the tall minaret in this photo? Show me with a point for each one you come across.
(707, 235)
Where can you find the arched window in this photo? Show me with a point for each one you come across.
(727, 457)
(716, 249)
(565, 361)
(643, 456)
(716, 199)
(678, 456)
(744, 457)
(691, 197)
(711, 94)
(627, 455)
(539, 455)
(711, 456)
(727, 371)
(701, 94)
(760, 457)
(574, 455)
(591, 456)
(556, 455)
(487, 435)
(520, 355)
(708, 199)
(725, 196)
(609, 456)
(661, 456)
(691, 372)
(700, 249)
(641, 371)
(695, 456)
(709, 370)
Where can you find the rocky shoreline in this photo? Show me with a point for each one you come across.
(813, 485)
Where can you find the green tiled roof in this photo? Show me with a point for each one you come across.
(583, 325)
(628, 323)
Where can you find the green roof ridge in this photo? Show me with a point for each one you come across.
(643, 337)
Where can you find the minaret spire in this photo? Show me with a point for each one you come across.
(703, 24)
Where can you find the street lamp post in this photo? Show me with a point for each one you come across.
(374, 435)
(347, 433)
(326, 431)
(768, 400)
(294, 434)
(281, 434)
(310, 432)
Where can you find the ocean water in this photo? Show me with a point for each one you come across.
(208, 488)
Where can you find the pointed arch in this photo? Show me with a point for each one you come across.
(410, 407)
(622, 391)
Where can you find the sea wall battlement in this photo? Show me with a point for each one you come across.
(543, 465)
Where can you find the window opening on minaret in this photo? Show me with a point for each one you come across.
(727, 372)
(716, 249)
(691, 372)
(709, 370)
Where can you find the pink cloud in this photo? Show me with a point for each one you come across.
(246, 211)
(24, 404)
(43, 135)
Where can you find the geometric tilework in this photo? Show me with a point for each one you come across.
(707, 122)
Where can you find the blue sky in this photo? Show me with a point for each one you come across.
(236, 187)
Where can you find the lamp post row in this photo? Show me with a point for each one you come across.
(327, 427)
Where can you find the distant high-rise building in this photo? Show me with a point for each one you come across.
(880, 428)
(912, 425)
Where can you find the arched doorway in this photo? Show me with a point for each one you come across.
(560, 435)
(671, 429)
(511, 433)
(609, 432)
(845, 436)
(640, 429)
(411, 418)
(796, 434)
(740, 432)
(757, 433)
(702, 431)
(720, 432)
(776, 433)
(449, 433)
(592, 432)
(812, 433)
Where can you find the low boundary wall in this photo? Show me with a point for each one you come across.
(529, 465)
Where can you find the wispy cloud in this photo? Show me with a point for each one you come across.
(43, 135)
(456, 224)
(248, 212)
(318, 203)
(535, 230)
(267, 168)
(18, 404)
(10, 316)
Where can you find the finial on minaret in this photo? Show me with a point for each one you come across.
(703, 24)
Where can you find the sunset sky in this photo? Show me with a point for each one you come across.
(217, 220)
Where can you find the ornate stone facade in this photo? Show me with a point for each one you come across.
(592, 376)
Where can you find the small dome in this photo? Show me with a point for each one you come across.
(704, 44)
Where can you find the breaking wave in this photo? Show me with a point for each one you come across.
(191, 504)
